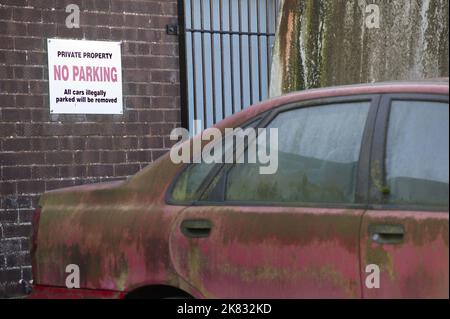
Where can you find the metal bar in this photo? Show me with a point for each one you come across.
(194, 69)
(213, 66)
(240, 55)
(221, 58)
(230, 27)
(275, 17)
(230, 32)
(184, 92)
(268, 44)
(258, 29)
(205, 106)
(250, 53)
(275, 9)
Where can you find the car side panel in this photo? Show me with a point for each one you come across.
(46, 292)
(116, 247)
(271, 252)
(416, 268)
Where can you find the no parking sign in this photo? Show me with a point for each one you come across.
(85, 77)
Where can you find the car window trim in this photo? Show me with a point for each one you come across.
(378, 200)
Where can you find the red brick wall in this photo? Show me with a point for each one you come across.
(39, 151)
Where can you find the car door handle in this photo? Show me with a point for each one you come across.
(196, 228)
(387, 234)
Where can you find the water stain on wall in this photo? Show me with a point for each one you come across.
(325, 43)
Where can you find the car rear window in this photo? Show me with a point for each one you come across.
(189, 183)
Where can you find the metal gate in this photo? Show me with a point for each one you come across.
(226, 50)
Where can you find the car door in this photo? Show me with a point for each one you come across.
(405, 233)
(292, 234)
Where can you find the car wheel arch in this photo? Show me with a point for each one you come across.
(158, 292)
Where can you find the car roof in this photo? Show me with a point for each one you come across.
(424, 86)
(436, 86)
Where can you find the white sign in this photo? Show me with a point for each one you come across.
(85, 77)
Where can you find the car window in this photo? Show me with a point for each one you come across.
(318, 153)
(417, 154)
(189, 182)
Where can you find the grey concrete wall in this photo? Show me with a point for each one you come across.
(325, 43)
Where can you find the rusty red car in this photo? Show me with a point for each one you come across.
(362, 185)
